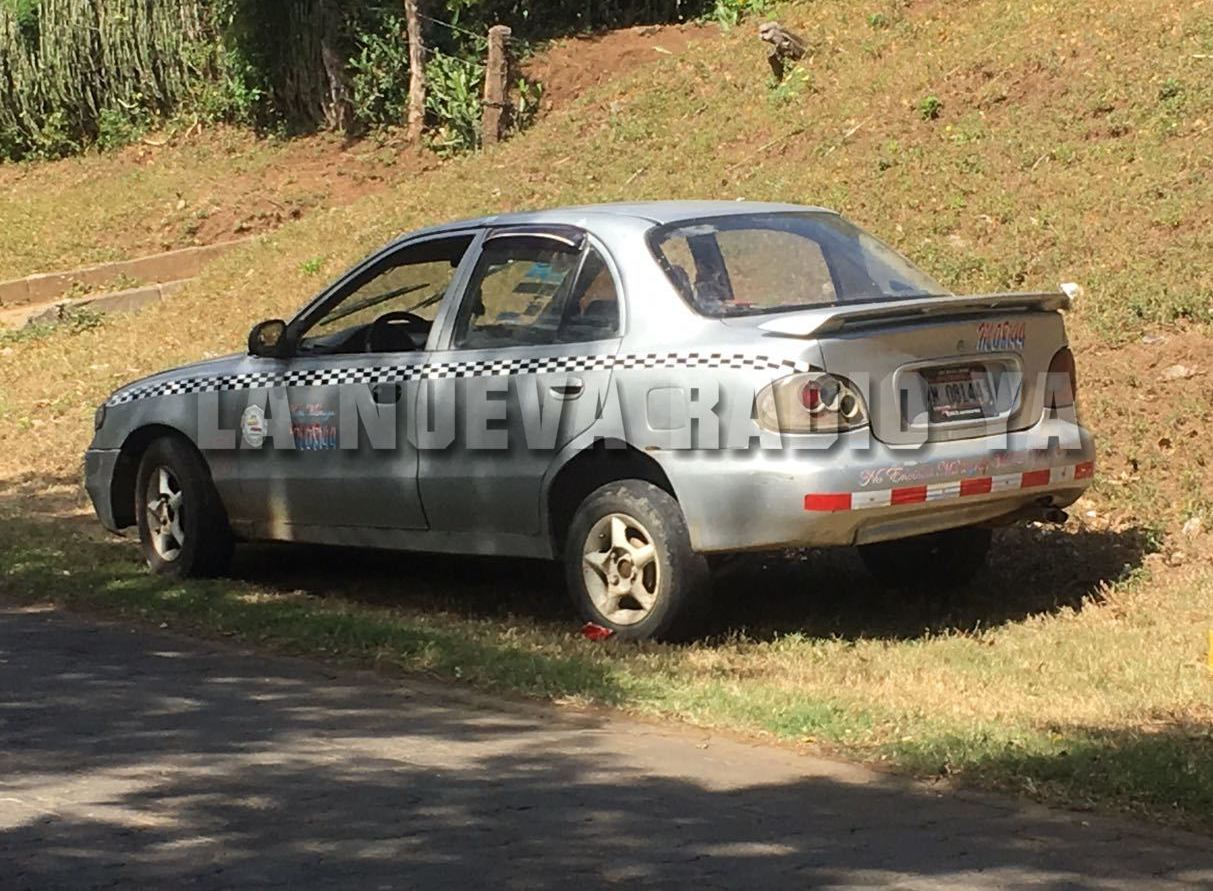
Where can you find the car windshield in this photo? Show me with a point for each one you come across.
(776, 262)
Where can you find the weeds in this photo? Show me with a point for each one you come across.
(312, 266)
(379, 74)
(929, 107)
(730, 13)
(1170, 89)
(69, 320)
(454, 100)
(796, 81)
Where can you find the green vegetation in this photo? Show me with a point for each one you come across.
(728, 13)
(101, 72)
(929, 107)
(312, 266)
(795, 81)
(55, 100)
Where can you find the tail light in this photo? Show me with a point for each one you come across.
(1061, 385)
(810, 403)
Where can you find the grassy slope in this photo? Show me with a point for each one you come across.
(1076, 674)
(147, 198)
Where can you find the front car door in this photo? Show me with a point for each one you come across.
(524, 361)
(324, 446)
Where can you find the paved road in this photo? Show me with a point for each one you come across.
(130, 758)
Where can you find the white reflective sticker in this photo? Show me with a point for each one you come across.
(252, 426)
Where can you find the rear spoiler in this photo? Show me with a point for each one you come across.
(834, 318)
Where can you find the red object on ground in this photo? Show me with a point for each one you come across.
(590, 631)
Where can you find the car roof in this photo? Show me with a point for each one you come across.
(651, 212)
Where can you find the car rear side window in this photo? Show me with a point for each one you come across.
(531, 291)
(769, 262)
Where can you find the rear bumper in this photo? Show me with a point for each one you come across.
(862, 491)
(100, 466)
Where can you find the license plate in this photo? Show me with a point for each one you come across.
(958, 394)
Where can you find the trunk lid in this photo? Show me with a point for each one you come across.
(941, 368)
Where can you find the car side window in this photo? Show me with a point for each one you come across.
(531, 291)
(394, 304)
(592, 310)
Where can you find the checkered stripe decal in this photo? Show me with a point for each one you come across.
(832, 502)
(323, 377)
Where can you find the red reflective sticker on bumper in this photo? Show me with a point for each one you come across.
(1034, 478)
(830, 501)
(978, 486)
(908, 495)
(1084, 471)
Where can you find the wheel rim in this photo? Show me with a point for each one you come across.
(165, 514)
(621, 570)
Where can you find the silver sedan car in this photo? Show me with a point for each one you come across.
(625, 388)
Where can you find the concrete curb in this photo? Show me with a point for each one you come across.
(119, 301)
(173, 266)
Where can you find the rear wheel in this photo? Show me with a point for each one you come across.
(939, 560)
(182, 524)
(629, 563)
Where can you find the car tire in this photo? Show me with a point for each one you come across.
(938, 560)
(629, 565)
(183, 526)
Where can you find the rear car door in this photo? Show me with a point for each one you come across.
(525, 363)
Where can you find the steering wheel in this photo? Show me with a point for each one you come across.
(392, 332)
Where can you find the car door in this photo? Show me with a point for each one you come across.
(524, 363)
(323, 440)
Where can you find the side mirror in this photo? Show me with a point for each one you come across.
(268, 339)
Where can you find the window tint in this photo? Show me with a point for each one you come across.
(753, 263)
(536, 291)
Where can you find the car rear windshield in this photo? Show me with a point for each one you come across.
(743, 264)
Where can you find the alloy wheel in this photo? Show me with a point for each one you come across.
(165, 514)
(621, 570)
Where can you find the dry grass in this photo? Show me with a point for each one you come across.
(1075, 669)
(149, 198)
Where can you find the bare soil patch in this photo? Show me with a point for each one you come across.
(567, 68)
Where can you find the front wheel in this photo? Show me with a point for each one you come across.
(943, 560)
(183, 526)
(629, 563)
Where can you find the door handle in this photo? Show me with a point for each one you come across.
(385, 394)
(570, 389)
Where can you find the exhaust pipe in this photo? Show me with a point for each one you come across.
(1040, 511)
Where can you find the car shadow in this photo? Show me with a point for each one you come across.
(823, 593)
(1033, 570)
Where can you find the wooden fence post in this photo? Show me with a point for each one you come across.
(496, 85)
(416, 118)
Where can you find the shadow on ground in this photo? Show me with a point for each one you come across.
(1034, 570)
(142, 760)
